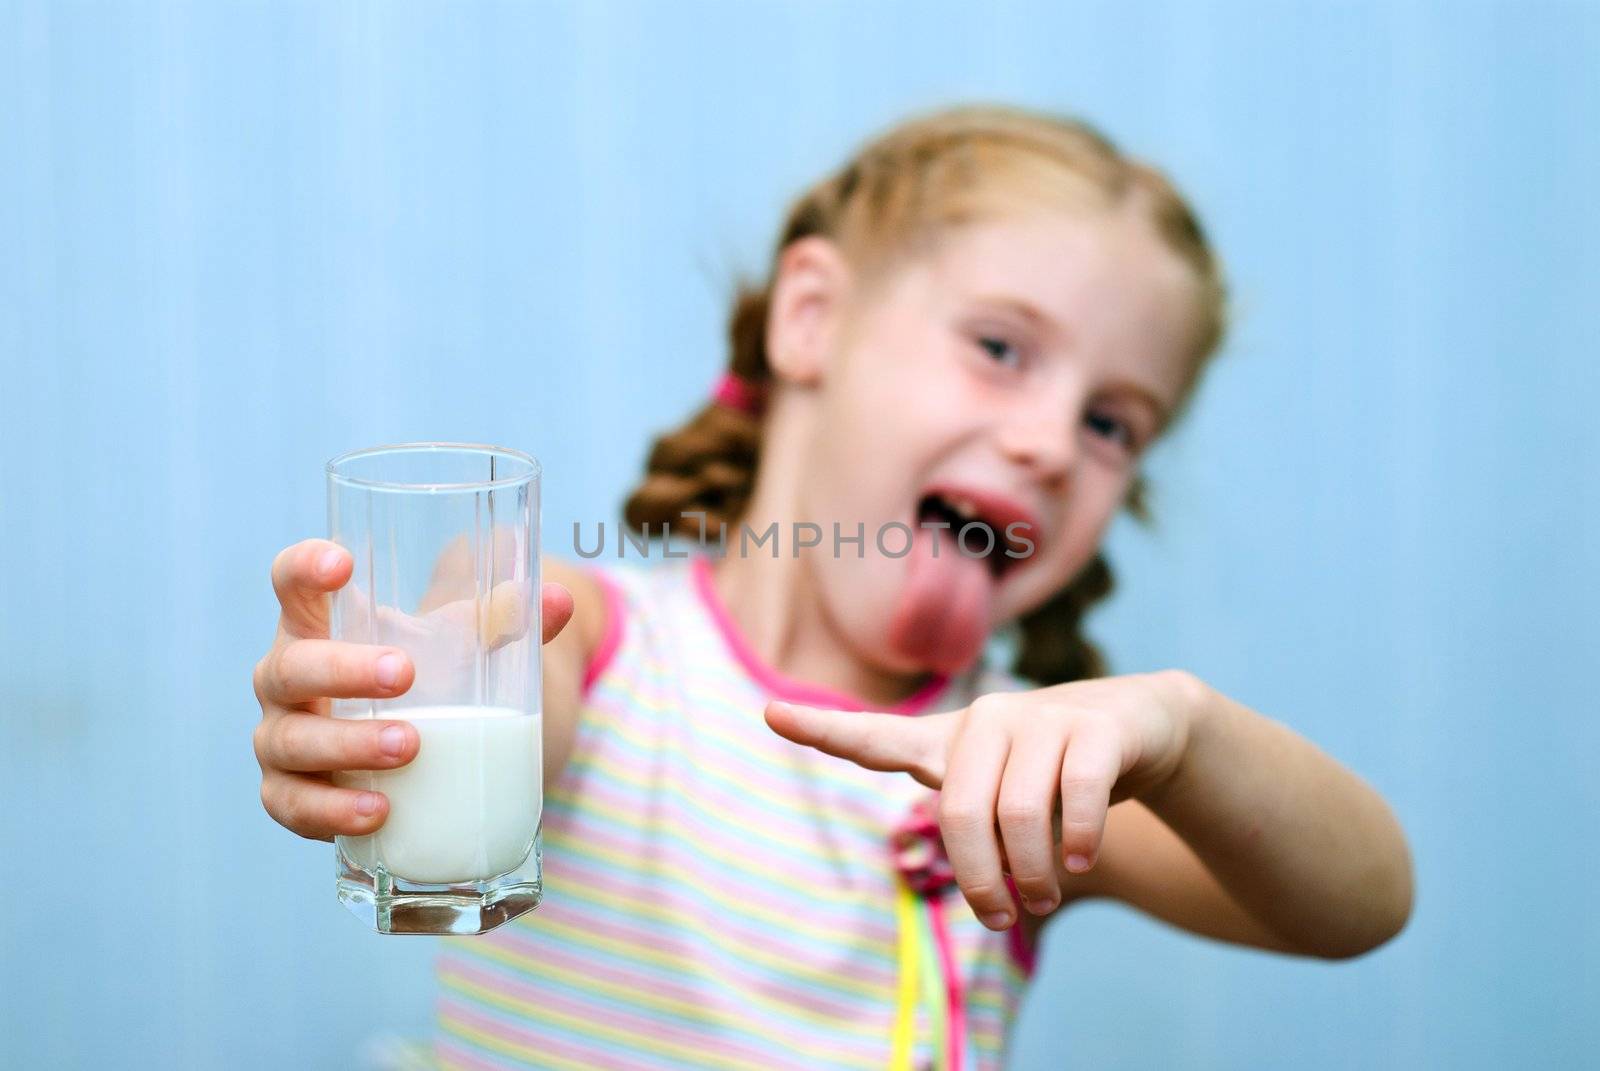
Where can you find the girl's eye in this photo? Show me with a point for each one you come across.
(1002, 351)
(1111, 429)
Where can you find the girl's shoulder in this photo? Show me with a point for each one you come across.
(619, 599)
(631, 579)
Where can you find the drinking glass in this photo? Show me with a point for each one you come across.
(445, 538)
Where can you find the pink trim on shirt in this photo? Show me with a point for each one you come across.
(610, 632)
(783, 687)
(956, 1020)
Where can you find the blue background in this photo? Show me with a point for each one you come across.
(238, 239)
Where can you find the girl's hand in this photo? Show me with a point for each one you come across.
(297, 744)
(1006, 761)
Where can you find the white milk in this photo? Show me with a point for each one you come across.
(466, 807)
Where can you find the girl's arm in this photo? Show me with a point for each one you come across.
(565, 660)
(1257, 837)
(1146, 865)
(1234, 827)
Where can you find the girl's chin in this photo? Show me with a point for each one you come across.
(868, 636)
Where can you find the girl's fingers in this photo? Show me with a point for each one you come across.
(315, 809)
(1027, 800)
(556, 609)
(302, 576)
(315, 743)
(300, 671)
(1091, 768)
(876, 741)
(503, 618)
(966, 818)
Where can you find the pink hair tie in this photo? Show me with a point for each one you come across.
(737, 393)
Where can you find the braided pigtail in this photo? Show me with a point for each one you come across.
(709, 464)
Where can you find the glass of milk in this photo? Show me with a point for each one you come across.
(445, 538)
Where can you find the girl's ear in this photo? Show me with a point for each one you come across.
(809, 288)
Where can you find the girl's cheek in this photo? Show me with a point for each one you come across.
(1085, 527)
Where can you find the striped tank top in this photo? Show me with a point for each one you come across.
(717, 896)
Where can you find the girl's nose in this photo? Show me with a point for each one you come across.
(1043, 442)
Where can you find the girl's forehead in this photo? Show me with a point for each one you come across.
(1062, 257)
(1099, 281)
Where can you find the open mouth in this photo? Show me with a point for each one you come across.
(978, 529)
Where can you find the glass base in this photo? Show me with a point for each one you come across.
(393, 905)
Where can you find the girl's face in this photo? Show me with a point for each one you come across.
(1011, 375)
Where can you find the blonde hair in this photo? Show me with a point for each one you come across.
(899, 191)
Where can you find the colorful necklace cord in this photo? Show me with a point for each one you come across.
(929, 971)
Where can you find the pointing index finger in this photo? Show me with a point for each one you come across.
(876, 741)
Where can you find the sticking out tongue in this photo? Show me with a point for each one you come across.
(942, 618)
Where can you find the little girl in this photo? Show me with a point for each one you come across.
(970, 336)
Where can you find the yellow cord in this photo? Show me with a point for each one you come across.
(905, 1021)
